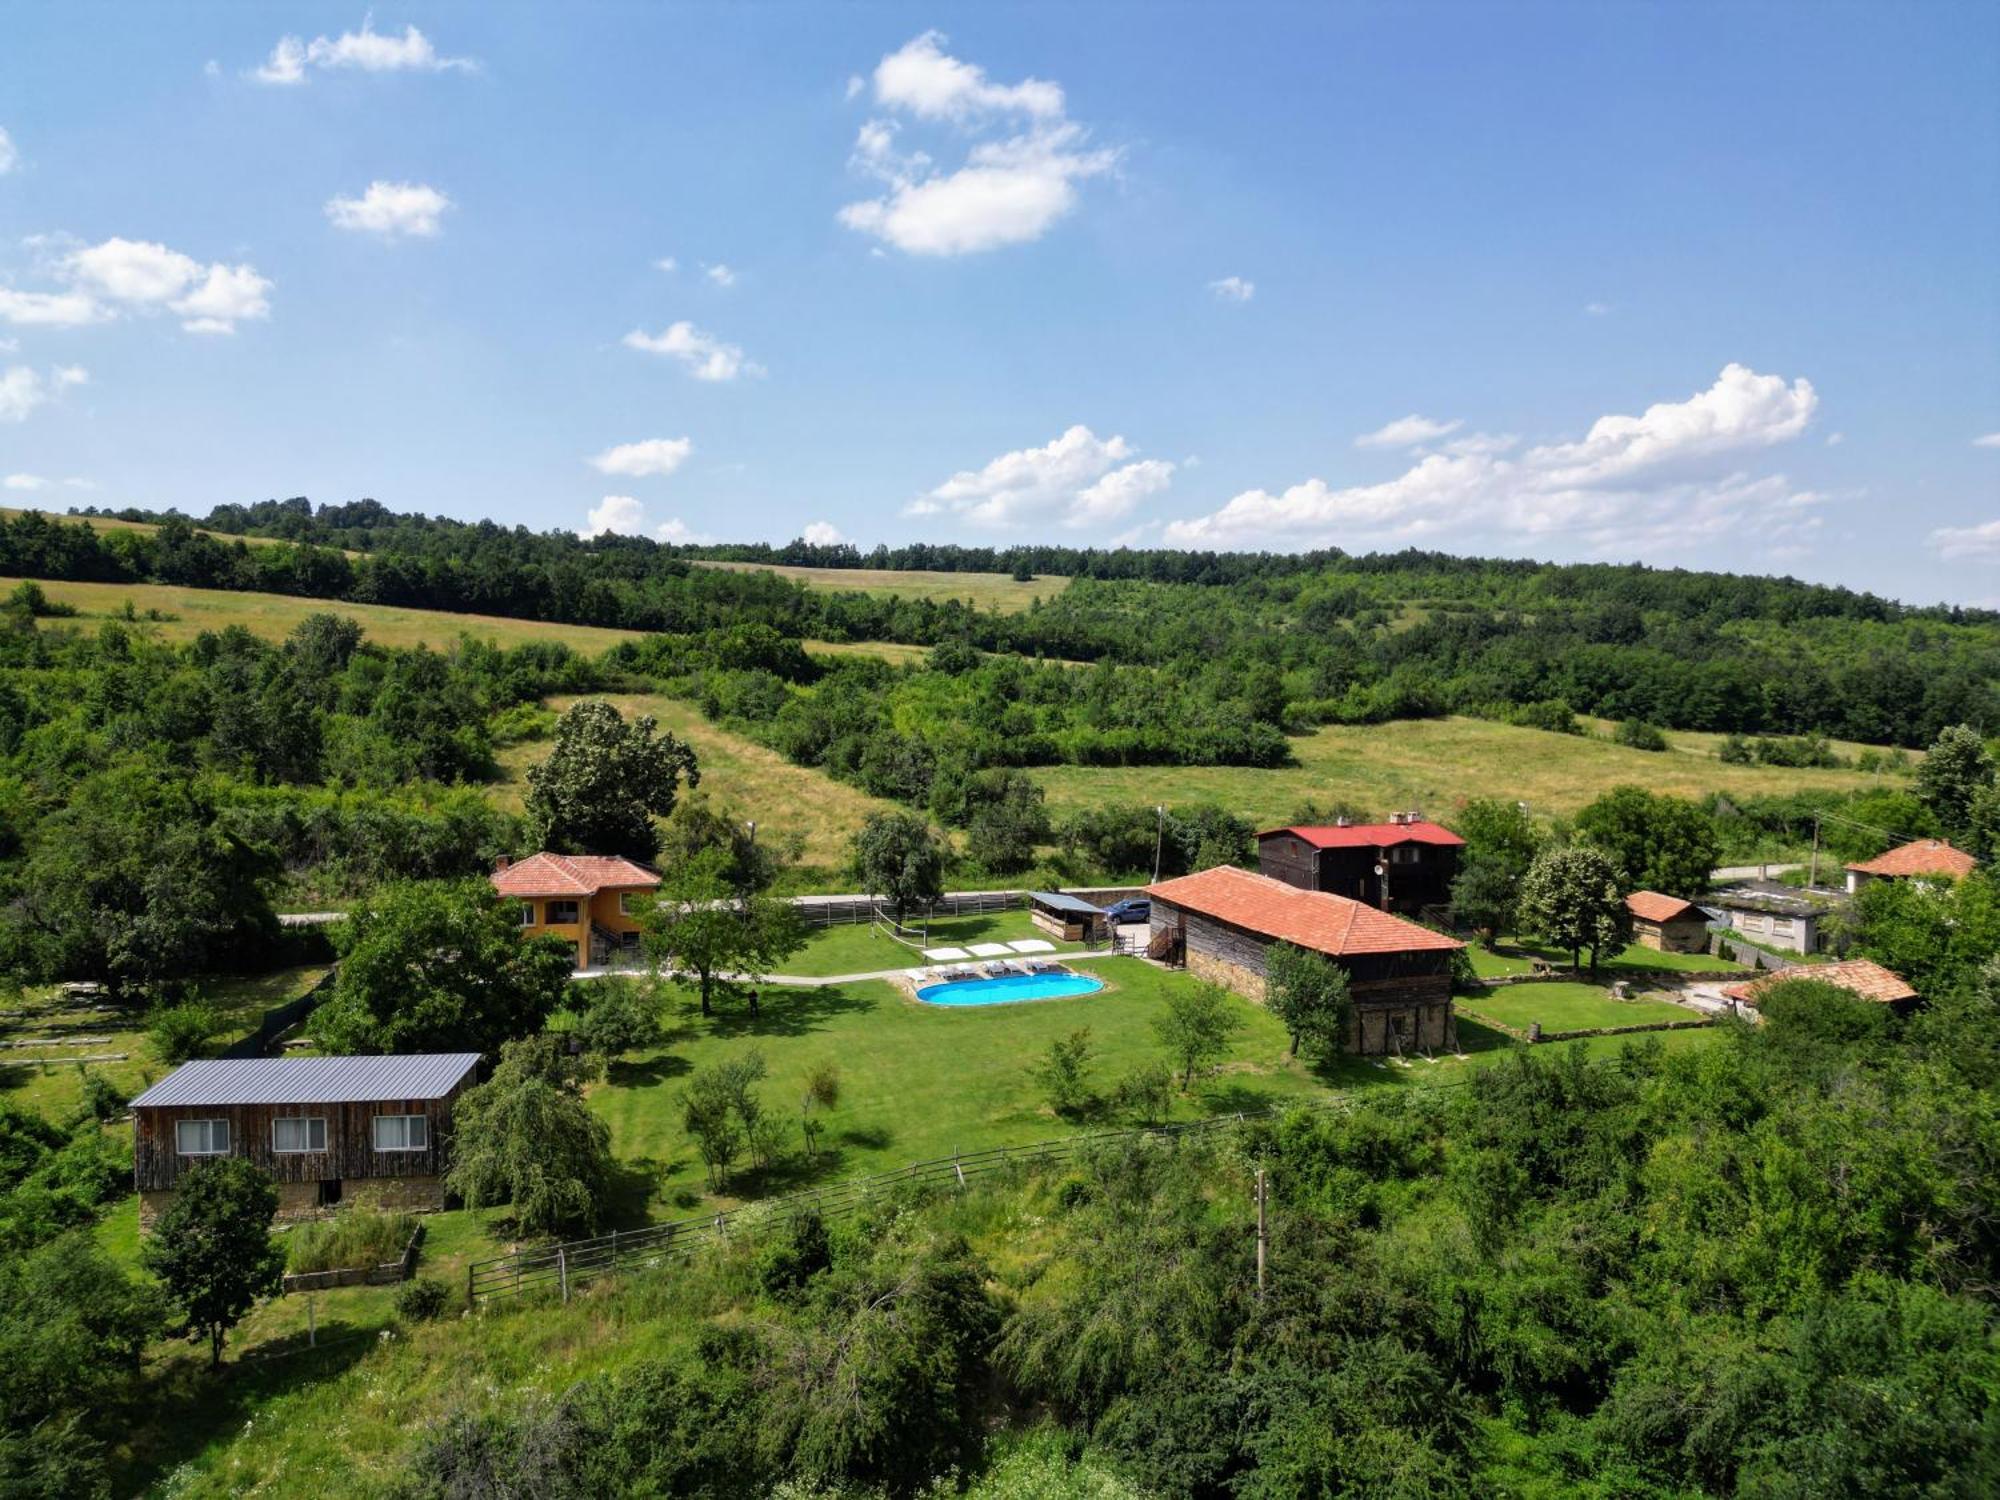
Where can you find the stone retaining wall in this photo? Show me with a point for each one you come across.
(388, 1273)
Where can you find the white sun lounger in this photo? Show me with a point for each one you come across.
(991, 950)
(1032, 945)
(945, 955)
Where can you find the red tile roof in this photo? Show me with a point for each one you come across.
(1371, 835)
(1651, 906)
(1859, 976)
(1319, 920)
(1921, 857)
(571, 875)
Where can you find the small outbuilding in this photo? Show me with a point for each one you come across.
(1771, 915)
(1858, 976)
(1068, 919)
(1667, 924)
(331, 1130)
(1920, 859)
(1223, 922)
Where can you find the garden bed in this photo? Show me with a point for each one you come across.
(376, 1273)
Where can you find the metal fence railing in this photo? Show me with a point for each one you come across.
(562, 1268)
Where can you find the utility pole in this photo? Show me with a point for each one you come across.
(1263, 1235)
(1812, 881)
(1159, 836)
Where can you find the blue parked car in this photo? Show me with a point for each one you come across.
(1137, 909)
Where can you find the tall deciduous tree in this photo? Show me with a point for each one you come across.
(699, 922)
(605, 781)
(439, 966)
(897, 857)
(1659, 843)
(1572, 898)
(1309, 993)
(1951, 776)
(1501, 841)
(526, 1138)
(212, 1248)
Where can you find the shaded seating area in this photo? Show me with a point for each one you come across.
(1068, 919)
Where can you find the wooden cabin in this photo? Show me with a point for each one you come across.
(1667, 924)
(1222, 922)
(592, 901)
(331, 1130)
(1403, 865)
(1068, 919)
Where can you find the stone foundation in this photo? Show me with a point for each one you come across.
(299, 1201)
(1245, 981)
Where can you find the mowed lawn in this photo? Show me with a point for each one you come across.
(863, 948)
(1563, 1006)
(996, 591)
(1434, 765)
(1517, 955)
(738, 774)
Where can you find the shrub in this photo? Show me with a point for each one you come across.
(103, 1101)
(1062, 1072)
(1637, 734)
(421, 1300)
(1146, 1092)
(352, 1237)
(181, 1032)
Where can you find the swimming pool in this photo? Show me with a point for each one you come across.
(1009, 991)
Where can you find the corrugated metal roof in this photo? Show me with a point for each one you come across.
(310, 1080)
(1057, 901)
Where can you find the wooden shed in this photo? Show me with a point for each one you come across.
(1224, 921)
(1667, 923)
(371, 1130)
(1069, 919)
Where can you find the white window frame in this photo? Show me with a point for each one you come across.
(211, 1149)
(424, 1124)
(625, 900)
(550, 919)
(527, 914)
(306, 1120)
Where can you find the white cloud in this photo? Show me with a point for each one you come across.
(1233, 289)
(706, 357)
(23, 390)
(1988, 440)
(24, 482)
(1077, 480)
(1011, 188)
(1979, 543)
(391, 209)
(9, 157)
(666, 263)
(1596, 309)
(1659, 481)
(1407, 432)
(678, 532)
(366, 50)
(618, 515)
(720, 274)
(822, 534)
(145, 277)
(637, 460)
(1835, 439)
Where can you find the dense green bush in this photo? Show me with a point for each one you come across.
(351, 1237)
(422, 1299)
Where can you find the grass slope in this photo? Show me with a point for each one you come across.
(111, 523)
(1434, 765)
(1562, 1006)
(1517, 955)
(994, 591)
(861, 948)
(736, 772)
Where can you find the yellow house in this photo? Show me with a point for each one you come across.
(592, 900)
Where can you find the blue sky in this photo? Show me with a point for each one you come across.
(1702, 286)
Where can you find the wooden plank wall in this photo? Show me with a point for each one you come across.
(157, 1166)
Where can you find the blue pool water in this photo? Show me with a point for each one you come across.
(1015, 987)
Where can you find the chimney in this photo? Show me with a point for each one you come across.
(502, 862)
(1343, 821)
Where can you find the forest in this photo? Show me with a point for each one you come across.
(1307, 640)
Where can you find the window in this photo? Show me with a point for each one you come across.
(201, 1137)
(401, 1132)
(1405, 854)
(629, 902)
(1782, 926)
(298, 1135)
(527, 914)
(560, 913)
(1754, 923)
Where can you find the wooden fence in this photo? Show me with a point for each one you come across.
(839, 911)
(562, 1268)
(280, 1019)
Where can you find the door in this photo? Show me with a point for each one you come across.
(329, 1192)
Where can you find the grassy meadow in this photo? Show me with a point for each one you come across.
(735, 772)
(995, 591)
(1563, 1006)
(1435, 765)
(1517, 955)
(111, 523)
(861, 948)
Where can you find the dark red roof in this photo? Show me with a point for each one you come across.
(571, 875)
(1371, 835)
(1318, 920)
